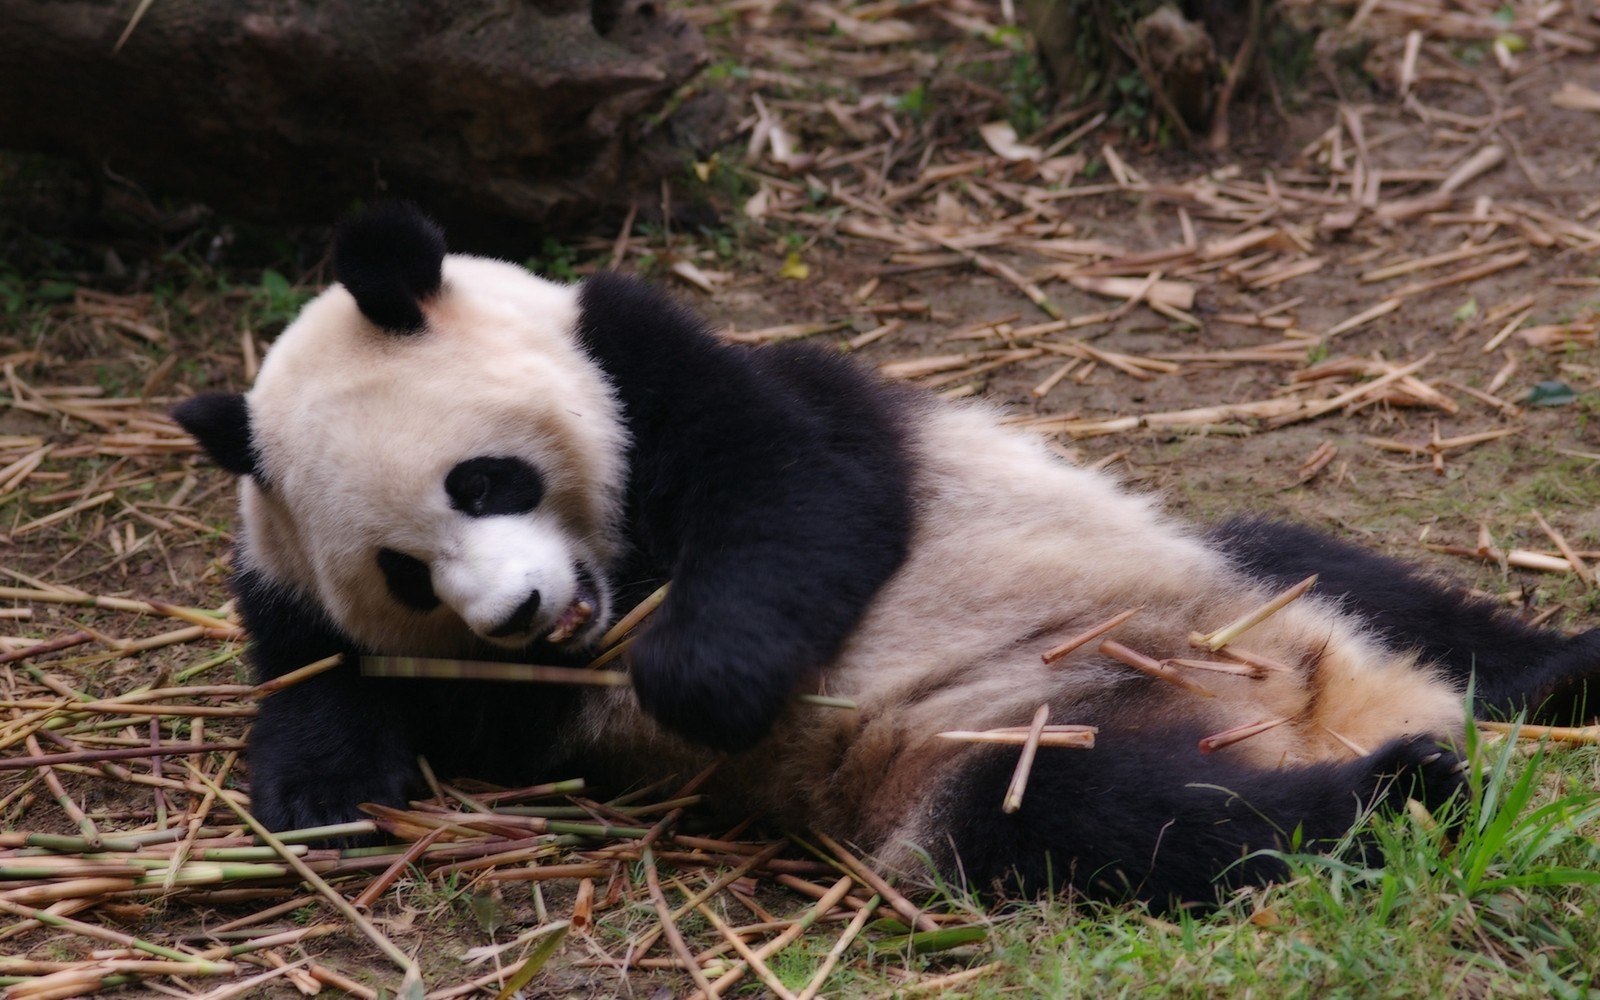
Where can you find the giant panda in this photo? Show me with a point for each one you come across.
(448, 456)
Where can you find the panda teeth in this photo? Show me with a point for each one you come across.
(572, 619)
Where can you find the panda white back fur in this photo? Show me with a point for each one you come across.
(448, 456)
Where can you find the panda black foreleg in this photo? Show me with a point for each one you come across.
(1513, 666)
(746, 625)
(1145, 816)
(320, 748)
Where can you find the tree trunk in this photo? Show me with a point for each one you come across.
(293, 109)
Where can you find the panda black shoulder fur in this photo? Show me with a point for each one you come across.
(448, 456)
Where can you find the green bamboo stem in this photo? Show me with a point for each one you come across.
(401, 960)
(105, 934)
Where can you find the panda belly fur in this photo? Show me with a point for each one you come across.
(1012, 552)
(822, 530)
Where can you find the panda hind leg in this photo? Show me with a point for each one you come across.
(1149, 818)
(1513, 666)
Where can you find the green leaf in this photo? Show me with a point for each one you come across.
(536, 959)
(1550, 394)
(491, 916)
(275, 284)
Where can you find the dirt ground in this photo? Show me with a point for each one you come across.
(852, 209)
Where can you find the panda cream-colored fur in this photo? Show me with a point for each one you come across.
(448, 456)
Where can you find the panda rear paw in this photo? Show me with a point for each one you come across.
(1415, 767)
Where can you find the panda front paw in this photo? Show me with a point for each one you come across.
(313, 760)
(1415, 767)
(705, 691)
(310, 796)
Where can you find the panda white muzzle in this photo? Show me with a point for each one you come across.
(515, 579)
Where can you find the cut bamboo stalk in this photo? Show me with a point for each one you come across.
(670, 930)
(1435, 260)
(872, 880)
(757, 963)
(1520, 558)
(1579, 567)
(401, 960)
(1217, 666)
(1307, 411)
(1557, 734)
(1245, 622)
(1476, 165)
(297, 675)
(1362, 318)
(631, 620)
(1151, 288)
(1493, 265)
(1241, 656)
(106, 934)
(1030, 750)
(485, 670)
(1228, 737)
(1232, 246)
(1075, 735)
(1090, 634)
(489, 670)
(854, 928)
(834, 895)
(1147, 665)
(64, 513)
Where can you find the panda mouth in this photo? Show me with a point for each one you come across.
(576, 614)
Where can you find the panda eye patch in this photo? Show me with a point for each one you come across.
(409, 580)
(482, 487)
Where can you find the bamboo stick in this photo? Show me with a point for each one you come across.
(1030, 749)
(1250, 619)
(1089, 634)
(1150, 667)
(872, 880)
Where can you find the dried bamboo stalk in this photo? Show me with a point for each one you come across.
(1238, 734)
(1030, 749)
(1557, 734)
(1579, 567)
(826, 903)
(756, 962)
(401, 960)
(1072, 737)
(1152, 667)
(670, 930)
(1221, 637)
(872, 880)
(297, 675)
(831, 959)
(628, 622)
(1087, 635)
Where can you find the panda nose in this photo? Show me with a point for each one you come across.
(521, 620)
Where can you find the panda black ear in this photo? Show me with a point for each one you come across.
(220, 421)
(390, 258)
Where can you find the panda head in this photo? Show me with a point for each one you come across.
(428, 452)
